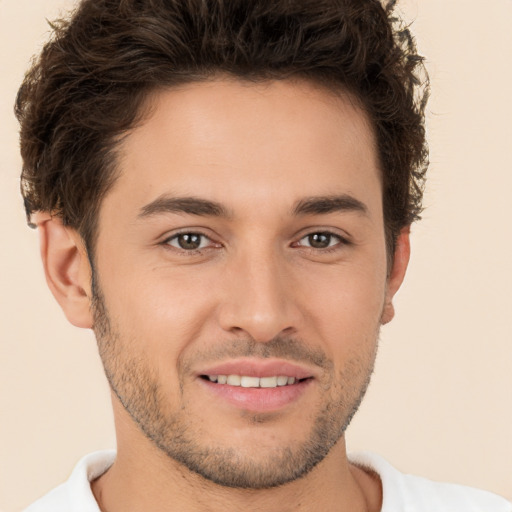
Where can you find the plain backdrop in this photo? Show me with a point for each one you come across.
(440, 403)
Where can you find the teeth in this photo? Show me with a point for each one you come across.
(249, 382)
(234, 380)
(282, 381)
(268, 382)
(246, 381)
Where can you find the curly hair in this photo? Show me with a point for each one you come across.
(87, 87)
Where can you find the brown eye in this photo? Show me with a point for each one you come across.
(320, 240)
(188, 241)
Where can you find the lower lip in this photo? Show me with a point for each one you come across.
(259, 399)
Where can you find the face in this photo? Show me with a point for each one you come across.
(241, 276)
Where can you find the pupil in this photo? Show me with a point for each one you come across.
(189, 241)
(319, 240)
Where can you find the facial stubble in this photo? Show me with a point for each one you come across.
(137, 387)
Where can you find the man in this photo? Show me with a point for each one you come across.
(224, 192)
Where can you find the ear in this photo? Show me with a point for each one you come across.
(67, 270)
(397, 273)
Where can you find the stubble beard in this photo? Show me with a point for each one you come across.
(137, 388)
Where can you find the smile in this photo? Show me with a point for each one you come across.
(257, 385)
(246, 381)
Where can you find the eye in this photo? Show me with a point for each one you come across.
(189, 241)
(320, 240)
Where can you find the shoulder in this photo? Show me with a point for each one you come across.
(75, 494)
(408, 493)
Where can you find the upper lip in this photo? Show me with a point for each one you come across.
(259, 368)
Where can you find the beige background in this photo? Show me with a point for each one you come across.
(441, 401)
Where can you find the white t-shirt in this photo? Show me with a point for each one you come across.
(401, 493)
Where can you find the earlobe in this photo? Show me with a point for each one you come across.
(67, 270)
(397, 273)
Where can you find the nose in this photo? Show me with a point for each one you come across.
(259, 299)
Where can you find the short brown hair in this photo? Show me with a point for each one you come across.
(88, 86)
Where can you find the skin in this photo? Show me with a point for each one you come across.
(255, 289)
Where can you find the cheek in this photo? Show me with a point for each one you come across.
(345, 306)
(355, 291)
(158, 313)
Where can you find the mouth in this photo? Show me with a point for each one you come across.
(257, 385)
(248, 381)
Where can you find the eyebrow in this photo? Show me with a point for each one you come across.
(316, 205)
(322, 205)
(188, 205)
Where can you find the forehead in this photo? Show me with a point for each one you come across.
(241, 143)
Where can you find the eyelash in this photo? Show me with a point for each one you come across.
(341, 242)
(185, 252)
